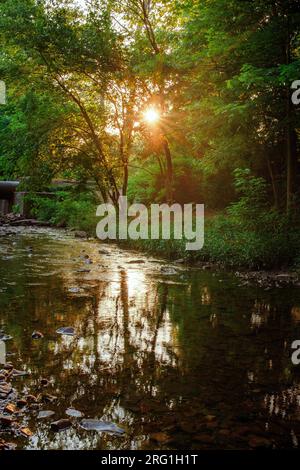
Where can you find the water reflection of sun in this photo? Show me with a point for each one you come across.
(136, 281)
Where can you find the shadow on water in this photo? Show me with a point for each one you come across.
(186, 361)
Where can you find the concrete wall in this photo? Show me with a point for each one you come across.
(4, 206)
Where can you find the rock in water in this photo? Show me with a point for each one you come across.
(74, 413)
(61, 425)
(47, 398)
(10, 408)
(160, 437)
(104, 252)
(19, 373)
(80, 234)
(6, 421)
(102, 426)
(7, 445)
(5, 390)
(168, 270)
(37, 335)
(66, 330)
(45, 414)
(21, 403)
(44, 382)
(26, 432)
(136, 261)
(4, 337)
(74, 290)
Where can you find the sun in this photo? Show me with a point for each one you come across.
(151, 115)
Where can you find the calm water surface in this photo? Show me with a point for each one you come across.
(189, 360)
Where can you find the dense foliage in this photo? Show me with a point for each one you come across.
(81, 75)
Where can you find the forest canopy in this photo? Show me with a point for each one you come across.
(157, 100)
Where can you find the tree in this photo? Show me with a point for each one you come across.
(79, 57)
(243, 56)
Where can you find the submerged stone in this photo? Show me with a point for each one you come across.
(61, 425)
(37, 335)
(6, 421)
(74, 413)
(4, 337)
(26, 432)
(10, 408)
(168, 270)
(47, 398)
(45, 414)
(21, 403)
(19, 373)
(160, 437)
(136, 261)
(7, 445)
(101, 426)
(44, 382)
(80, 234)
(66, 330)
(74, 290)
(5, 390)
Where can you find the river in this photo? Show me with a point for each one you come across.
(179, 358)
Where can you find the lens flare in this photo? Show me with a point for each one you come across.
(151, 115)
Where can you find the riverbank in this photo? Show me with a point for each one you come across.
(266, 279)
(247, 235)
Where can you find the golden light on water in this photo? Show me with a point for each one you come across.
(151, 115)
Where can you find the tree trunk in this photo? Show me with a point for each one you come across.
(125, 179)
(273, 183)
(169, 172)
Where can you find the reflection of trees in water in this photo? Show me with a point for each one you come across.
(119, 347)
(229, 359)
(147, 351)
(126, 349)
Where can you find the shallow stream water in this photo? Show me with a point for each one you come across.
(179, 358)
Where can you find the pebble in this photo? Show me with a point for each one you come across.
(102, 426)
(168, 270)
(45, 414)
(80, 234)
(31, 398)
(21, 403)
(74, 413)
(4, 337)
(136, 261)
(160, 437)
(61, 425)
(6, 420)
(26, 432)
(47, 398)
(37, 335)
(10, 408)
(5, 389)
(67, 330)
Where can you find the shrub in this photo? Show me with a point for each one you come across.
(76, 211)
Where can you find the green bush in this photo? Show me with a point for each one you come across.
(74, 211)
(249, 234)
